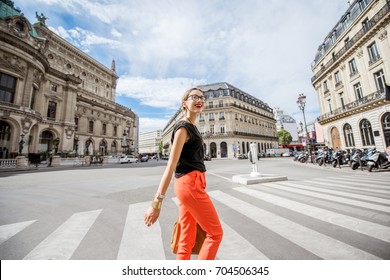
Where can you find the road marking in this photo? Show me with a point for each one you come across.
(61, 244)
(319, 244)
(358, 203)
(340, 184)
(340, 193)
(7, 231)
(371, 229)
(140, 242)
(234, 246)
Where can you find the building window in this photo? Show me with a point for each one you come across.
(363, 4)
(337, 78)
(221, 115)
(342, 100)
(115, 130)
(51, 110)
(348, 136)
(76, 122)
(365, 24)
(358, 91)
(366, 133)
(7, 88)
(211, 116)
(380, 80)
(104, 129)
(352, 67)
(220, 103)
(330, 106)
(346, 42)
(201, 117)
(222, 129)
(19, 26)
(53, 87)
(211, 104)
(212, 129)
(373, 53)
(326, 89)
(90, 127)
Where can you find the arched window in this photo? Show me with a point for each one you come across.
(366, 133)
(348, 135)
(5, 137)
(224, 151)
(113, 147)
(386, 128)
(90, 127)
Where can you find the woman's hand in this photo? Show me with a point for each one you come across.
(151, 216)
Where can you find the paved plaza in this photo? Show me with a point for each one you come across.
(97, 212)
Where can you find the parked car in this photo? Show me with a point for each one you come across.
(127, 159)
(286, 154)
(133, 159)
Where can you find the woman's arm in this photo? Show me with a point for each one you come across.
(181, 136)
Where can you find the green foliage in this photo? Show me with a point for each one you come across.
(284, 137)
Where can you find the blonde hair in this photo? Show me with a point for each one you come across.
(187, 94)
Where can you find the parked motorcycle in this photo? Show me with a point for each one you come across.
(377, 160)
(322, 157)
(360, 158)
(339, 158)
(356, 158)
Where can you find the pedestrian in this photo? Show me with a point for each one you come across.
(186, 160)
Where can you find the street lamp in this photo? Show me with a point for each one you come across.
(301, 102)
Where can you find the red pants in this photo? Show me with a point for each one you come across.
(195, 206)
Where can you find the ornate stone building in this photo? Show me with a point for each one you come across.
(230, 121)
(351, 69)
(54, 97)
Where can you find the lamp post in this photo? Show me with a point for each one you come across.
(301, 102)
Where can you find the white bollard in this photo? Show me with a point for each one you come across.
(252, 155)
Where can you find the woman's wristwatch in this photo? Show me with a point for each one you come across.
(159, 196)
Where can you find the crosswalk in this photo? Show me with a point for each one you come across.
(343, 218)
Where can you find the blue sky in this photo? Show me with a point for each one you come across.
(163, 47)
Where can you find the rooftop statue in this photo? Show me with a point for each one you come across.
(41, 18)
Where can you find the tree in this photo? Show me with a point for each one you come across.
(284, 137)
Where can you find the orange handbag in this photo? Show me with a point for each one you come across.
(200, 236)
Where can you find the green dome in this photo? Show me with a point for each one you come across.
(7, 10)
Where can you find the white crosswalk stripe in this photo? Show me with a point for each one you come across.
(296, 188)
(140, 242)
(61, 244)
(7, 231)
(264, 204)
(335, 183)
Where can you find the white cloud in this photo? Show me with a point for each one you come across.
(83, 39)
(161, 93)
(152, 124)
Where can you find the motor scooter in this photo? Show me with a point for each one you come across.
(378, 160)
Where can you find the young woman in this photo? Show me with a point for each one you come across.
(186, 160)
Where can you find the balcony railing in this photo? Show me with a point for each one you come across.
(357, 103)
(354, 40)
